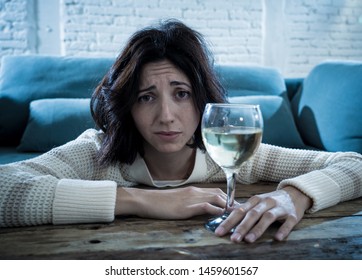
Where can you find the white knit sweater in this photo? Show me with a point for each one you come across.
(66, 185)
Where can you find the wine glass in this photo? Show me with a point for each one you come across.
(231, 134)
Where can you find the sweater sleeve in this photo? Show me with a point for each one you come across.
(64, 185)
(327, 178)
(83, 201)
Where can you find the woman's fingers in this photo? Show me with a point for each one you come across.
(227, 225)
(236, 216)
(269, 217)
(199, 201)
(205, 208)
(256, 221)
(286, 228)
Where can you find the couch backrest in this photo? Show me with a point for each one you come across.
(264, 86)
(27, 78)
(242, 80)
(328, 108)
(36, 93)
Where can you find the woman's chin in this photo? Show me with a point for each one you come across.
(169, 149)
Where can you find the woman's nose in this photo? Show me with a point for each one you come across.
(167, 111)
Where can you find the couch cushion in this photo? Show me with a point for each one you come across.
(279, 126)
(11, 154)
(53, 122)
(27, 78)
(251, 80)
(328, 109)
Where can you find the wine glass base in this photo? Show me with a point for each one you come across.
(213, 223)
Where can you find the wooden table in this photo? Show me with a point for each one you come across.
(334, 233)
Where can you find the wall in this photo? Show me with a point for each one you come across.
(17, 27)
(291, 35)
(102, 27)
(319, 30)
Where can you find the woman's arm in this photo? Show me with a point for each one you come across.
(66, 185)
(57, 187)
(327, 178)
(318, 180)
(175, 203)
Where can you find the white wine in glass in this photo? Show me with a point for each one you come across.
(231, 134)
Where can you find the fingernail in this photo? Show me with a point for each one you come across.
(250, 237)
(220, 230)
(279, 236)
(236, 237)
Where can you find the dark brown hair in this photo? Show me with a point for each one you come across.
(112, 100)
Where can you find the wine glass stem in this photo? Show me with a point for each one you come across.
(230, 177)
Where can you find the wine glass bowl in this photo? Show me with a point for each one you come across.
(231, 134)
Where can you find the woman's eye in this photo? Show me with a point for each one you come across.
(183, 94)
(144, 98)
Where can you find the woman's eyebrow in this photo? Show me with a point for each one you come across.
(172, 83)
(147, 89)
(177, 83)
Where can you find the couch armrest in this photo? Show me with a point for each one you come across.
(293, 85)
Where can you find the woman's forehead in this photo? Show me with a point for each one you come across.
(163, 69)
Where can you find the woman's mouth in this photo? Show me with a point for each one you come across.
(168, 135)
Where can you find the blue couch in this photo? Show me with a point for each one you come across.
(44, 103)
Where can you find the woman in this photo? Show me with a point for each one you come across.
(148, 108)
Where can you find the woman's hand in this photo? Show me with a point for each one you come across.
(253, 217)
(177, 203)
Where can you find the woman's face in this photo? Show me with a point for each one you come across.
(165, 114)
